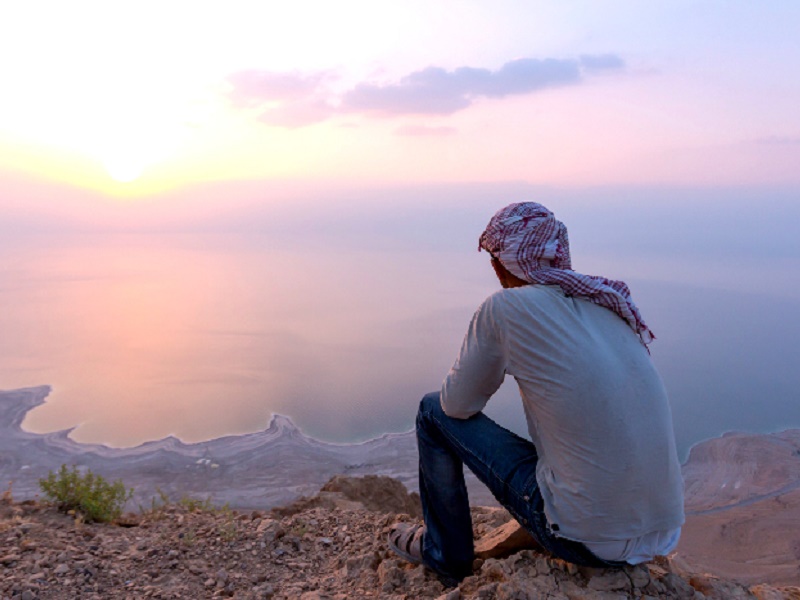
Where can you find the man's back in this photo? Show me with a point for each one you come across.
(597, 412)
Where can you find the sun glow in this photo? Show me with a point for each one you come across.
(123, 171)
(127, 149)
(116, 86)
(107, 99)
(125, 146)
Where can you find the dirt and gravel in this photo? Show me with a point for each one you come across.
(330, 546)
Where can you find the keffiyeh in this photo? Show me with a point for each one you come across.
(533, 245)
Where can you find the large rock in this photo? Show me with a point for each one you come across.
(372, 492)
(504, 541)
(377, 493)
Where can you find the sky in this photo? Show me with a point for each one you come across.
(147, 102)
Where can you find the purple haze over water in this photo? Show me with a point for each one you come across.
(342, 313)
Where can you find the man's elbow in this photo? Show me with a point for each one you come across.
(460, 413)
(456, 410)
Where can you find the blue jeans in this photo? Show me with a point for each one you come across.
(503, 461)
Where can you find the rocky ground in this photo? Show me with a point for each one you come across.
(330, 546)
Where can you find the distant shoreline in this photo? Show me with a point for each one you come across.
(273, 465)
(254, 470)
(67, 431)
(272, 415)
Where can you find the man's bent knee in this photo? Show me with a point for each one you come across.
(429, 405)
(430, 402)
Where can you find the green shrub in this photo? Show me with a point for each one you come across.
(88, 494)
(195, 505)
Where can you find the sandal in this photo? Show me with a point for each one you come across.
(405, 540)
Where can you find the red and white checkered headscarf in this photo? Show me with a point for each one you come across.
(532, 244)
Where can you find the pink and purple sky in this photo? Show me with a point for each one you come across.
(147, 102)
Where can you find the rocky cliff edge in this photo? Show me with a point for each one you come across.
(330, 546)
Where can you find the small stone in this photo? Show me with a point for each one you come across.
(210, 582)
(26, 527)
(129, 520)
(677, 586)
(639, 575)
(61, 569)
(609, 581)
(542, 566)
(487, 592)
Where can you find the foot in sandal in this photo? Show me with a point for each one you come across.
(405, 540)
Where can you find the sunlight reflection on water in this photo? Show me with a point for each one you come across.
(198, 336)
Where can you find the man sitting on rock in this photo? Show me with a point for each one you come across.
(600, 484)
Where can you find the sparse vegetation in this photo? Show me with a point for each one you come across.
(188, 537)
(7, 497)
(160, 506)
(88, 494)
(228, 529)
(224, 519)
(193, 504)
(157, 505)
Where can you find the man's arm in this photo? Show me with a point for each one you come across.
(480, 368)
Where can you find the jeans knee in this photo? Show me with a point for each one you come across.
(429, 404)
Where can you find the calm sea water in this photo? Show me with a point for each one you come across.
(206, 334)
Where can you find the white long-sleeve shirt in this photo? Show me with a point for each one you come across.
(597, 413)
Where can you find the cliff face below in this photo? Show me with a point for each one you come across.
(743, 507)
(740, 469)
(742, 491)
